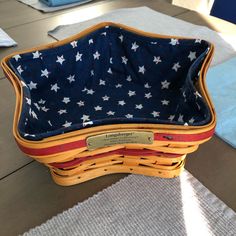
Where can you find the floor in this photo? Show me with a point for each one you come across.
(28, 196)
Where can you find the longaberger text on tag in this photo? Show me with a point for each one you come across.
(108, 139)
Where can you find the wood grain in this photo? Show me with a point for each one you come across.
(11, 158)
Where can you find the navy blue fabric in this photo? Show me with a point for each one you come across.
(111, 76)
(225, 10)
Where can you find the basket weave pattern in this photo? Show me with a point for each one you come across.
(120, 86)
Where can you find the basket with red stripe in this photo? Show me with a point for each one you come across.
(112, 99)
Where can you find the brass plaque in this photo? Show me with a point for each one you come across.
(109, 139)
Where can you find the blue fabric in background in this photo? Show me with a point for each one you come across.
(225, 10)
(55, 3)
(221, 82)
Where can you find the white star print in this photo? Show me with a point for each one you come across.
(60, 59)
(36, 54)
(111, 113)
(199, 108)
(98, 108)
(80, 103)
(171, 117)
(153, 42)
(32, 135)
(90, 41)
(71, 78)
(157, 60)
(62, 112)
(174, 42)
(118, 85)
(105, 98)
(192, 56)
(28, 101)
(44, 73)
(37, 106)
(191, 121)
(96, 55)
(67, 124)
(49, 122)
(41, 101)
(131, 93)
(141, 69)
(124, 60)
(104, 33)
(92, 72)
(155, 114)
(90, 91)
(78, 56)
(198, 41)
(87, 123)
(165, 102)
(185, 124)
(176, 66)
(44, 109)
(85, 118)
(54, 87)
(19, 69)
(66, 100)
(109, 71)
(102, 82)
(165, 84)
(129, 116)
(121, 37)
(180, 119)
(33, 114)
(85, 89)
(17, 57)
(121, 103)
(139, 106)
(148, 95)
(135, 46)
(147, 86)
(197, 94)
(32, 85)
(74, 44)
(129, 78)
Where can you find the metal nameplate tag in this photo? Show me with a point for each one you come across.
(109, 139)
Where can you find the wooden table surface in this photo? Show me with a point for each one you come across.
(28, 196)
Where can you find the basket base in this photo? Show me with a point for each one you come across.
(82, 173)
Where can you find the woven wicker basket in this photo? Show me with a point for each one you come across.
(112, 142)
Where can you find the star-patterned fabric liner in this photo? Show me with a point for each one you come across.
(110, 76)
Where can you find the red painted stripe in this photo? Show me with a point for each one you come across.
(183, 137)
(82, 143)
(122, 151)
(53, 150)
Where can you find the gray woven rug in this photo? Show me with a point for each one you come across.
(139, 205)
